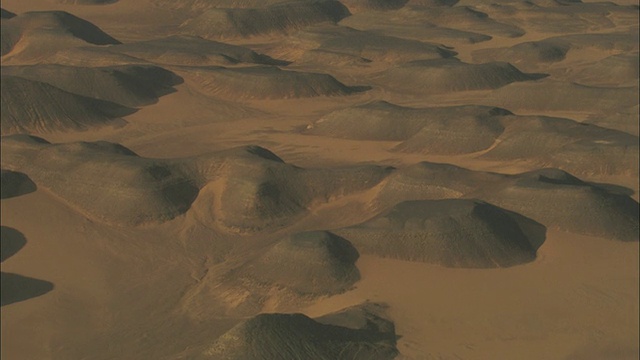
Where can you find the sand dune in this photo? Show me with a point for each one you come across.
(557, 199)
(623, 120)
(616, 70)
(431, 130)
(190, 50)
(559, 17)
(551, 197)
(322, 256)
(253, 179)
(568, 145)
(536, 55)
(296, 336)
(316, 44)
(433, 3)
(374, 4)
(153, 190)
(438, 21)
(552, 95)
(451, 233)
(278, 18)
(35, 107)
(91, 57)
(33, 36)
(450, 75)
(15, 184)
(86, 2)
(273, 194)
(147, 190)
(533, 54)
(433, 181)
(127, 85)
(541, 141)
(465, 18)
(265, 83)
(379, 120)
(410, 24)
(199, 5)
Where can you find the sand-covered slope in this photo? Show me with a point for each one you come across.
(615, 70)
(181, 50)
(296, 336)
(248, 190)
(33, 36)
(557, 199)
(317, 262)
(35, 107)
(253, 190)
(536, 55)
(445, 130)
(551, 197)
(127, 85)
(450, 75)
(252, 179)
(451, 233)
(568, 17)
(91, 56)
(192, 50)
(146, 190)
(265, 83)
(361, 5)
(466, 18)
(278, 18)
(86, 2)
(345, 45)
(271, 193)
(566, 144)
(550, 95)
(411, 24)
(433, 181)
(200, 5)
(437, 21)
(538, 140)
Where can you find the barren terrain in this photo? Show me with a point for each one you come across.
(320, 179)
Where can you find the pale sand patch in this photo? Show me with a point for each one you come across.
(571, 298)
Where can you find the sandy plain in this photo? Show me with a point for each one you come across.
(421, 179)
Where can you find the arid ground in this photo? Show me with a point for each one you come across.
(319, 179)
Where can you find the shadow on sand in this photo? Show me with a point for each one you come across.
(15, 288)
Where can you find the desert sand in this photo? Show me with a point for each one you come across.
(320, 179)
